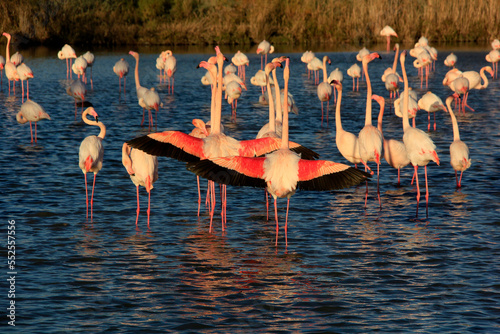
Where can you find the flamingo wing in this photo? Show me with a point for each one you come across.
(172, 144)
(235, 170)
(328, 175)
(260, 147)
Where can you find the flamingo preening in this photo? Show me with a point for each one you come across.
(31, 112)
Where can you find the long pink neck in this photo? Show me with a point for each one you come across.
(380, 114)
(7, 51)
(279, 109)
(456, 132)
(272, 116)
(338, 121)
(215, 126)
(368, 119)
(284, 131)
(395, 64)
(406, 95)
(325, 58)
(136, 73)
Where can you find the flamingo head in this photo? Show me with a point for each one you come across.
(134, 54)
(92, 112)
(337, 84)
(6, 34)
(489, 70)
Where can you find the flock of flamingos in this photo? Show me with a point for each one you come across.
(270, 161)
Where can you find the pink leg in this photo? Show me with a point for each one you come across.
(22, 91)
(418, 188)
(142, 122)
(321, 112)
(28, 89)
(35, 133)
(460, 181)
(366, 194)
(429, 119)
(327, 108)
(426, 193)
(353, 85)
(92, 199)
(388, 43)
(378, 188)
(199, 194)
(267, 205)
(212, 200)
(456, 179)
(276, 217)
(149, 206)
(286, 221)
(31, 132)
(138, 207)
(86, 195)
(67, 68)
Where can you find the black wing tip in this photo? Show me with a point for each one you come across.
(157, 148)
(336, 181)
(306, 153)
(211, 171)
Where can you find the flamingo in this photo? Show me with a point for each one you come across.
(10, 68)
(91, 154)
(263, 49)
(324, 90)
(17, 59)
(355, 72)
(370, 139)
(412, 106)
(89, 57)
(391, 76)
(359, 57)
(259, 79)
(461, 87)
(2, 65)
(138, 88)
(233, 77)
(240, 60)
(121, 69)
(31, 112)
(160, 64)
(233, 93)
(423, 60)
(475, 80)
(431, 103)
(170, 68)
(493, 57)
(183, 147)
(459, 151)
(207, 79)
(68, 53)
(25, 73)
(420, 147)
(495, 44)
(281, 172)
(151, 101)
(394, 150)
(78, 91)
(315, 65)
(230, 68)
(79, 67)
(306, 58)
(337, 75)
(388, 32)
(143, 171)
(450, 60)
(347, 142)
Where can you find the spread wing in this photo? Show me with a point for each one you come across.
(328, 175)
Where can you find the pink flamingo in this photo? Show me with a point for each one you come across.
(79, 67)
(324, 90)
(394, 150)
(17, 59)
(170, 68)
(431, 103)
(494, 57)
(388, 32)
(25, 73)
(78, 91)
(31, 112)
(391, 76)
(337, 75)
(355, 72)
(91, 154)
(263, 49)
(121, 69)
(183, 147)
(420, 147)
(459, 151)
(450, 60)
(143, 171)
(347, 142)
(370, 139)
(150, 100)
(89, 57)
(138, 88)
(68, 53)
(240, 60)
(10, 68)
(281, 172)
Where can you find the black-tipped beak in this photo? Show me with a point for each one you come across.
(334, 82)
(97, 119)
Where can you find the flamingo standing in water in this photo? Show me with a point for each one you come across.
(475, 80)
(170, 68)
(121, 69)
(89, 57)
(391, 76)
(494, 57)
(394, 150)
(240, 60)
(79, 67)
(31, 112)
(459, 151)
(91, 155)
(25, 73)
(370, 139)
(450, 60)
(347, 142)
(263, 49)
(68, 53)
(388, 32)
(420, 147)
(324, 90)
(431, 103)
(183, 147)
(151, 101)
(78, 91)
(337, 75)
(281, 172)
(143, 171)
(355, 72)
(10, 68)
(138, 88)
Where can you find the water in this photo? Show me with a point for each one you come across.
(346, 269)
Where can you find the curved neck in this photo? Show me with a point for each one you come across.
(284, 131)
(279, 109)
(406, 94)
(456, 133)
(484, 77)
(272, 116)
(101, 126)
(395, 63)
(368, 119)
(338, 121)
(136, 73)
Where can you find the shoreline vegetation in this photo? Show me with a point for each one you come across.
(246, 22)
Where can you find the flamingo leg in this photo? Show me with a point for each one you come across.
(327, 108)
(366, 193)
(286, 221)
(267, 205)
(91, 81)
(142, 122)
(31, 132)
(35, 134)
(388, 43)
(28, 89)
(353, 84)
(434, 121)
(22, 91)
(138, 207)
(92, 199)
(86, 195)
(418, 188)
(429, 119)
(276, 217)
(199, 194)
(399, 173)
(460, 181)
(426, 193)
(378, 187)
(212, 206)
(67, 68)
(149, 206)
